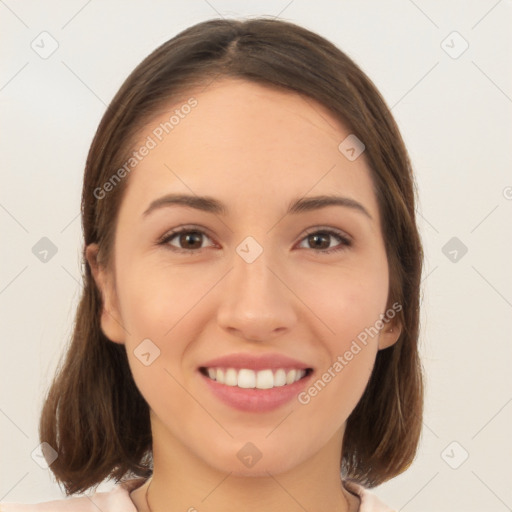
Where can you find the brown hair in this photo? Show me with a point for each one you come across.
(93, 415)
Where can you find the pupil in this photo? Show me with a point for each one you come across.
(189, 237)
(317, 238)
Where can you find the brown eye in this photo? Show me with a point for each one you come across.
(322, 239)
(190, 240)
(319, 241)
(185, 240)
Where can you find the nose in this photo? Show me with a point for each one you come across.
(257, 303)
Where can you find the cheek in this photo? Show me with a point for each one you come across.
(346, 301)
(158, 298)
(150, 310)
(163, 311)
(353, 314)
(334, 393)
(350, 304)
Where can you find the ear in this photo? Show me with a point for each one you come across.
(111, 323)
(389, 334)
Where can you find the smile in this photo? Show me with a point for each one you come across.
(250, 379)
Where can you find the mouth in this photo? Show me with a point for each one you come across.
(246, 378)
(255, 382)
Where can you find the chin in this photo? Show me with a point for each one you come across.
(249, 461)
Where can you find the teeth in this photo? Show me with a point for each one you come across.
(246, 379)
(230, 378)
(290, 377)
(249, 379)
(280, 377)
(265, 379)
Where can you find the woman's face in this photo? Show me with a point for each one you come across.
(250, 280)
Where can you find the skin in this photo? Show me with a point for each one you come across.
(255, 149)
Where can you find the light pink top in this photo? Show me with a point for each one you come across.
(118, 500)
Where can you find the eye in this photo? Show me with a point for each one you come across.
(188, 240)
(319, 239)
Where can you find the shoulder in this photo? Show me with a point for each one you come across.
(369, 502)
(116, 500)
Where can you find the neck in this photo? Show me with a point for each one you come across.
(182, 481)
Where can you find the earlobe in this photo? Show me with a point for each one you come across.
(389, 335)
(110, 320)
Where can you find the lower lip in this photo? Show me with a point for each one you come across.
(256, 400)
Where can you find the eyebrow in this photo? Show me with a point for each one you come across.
(211, 205)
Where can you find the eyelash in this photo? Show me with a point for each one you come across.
(344, 240)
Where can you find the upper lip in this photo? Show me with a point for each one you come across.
(255, 362)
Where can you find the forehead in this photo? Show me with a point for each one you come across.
(249, 145)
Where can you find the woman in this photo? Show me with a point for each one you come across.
(247, 335)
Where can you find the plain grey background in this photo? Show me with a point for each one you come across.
(443, 68)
